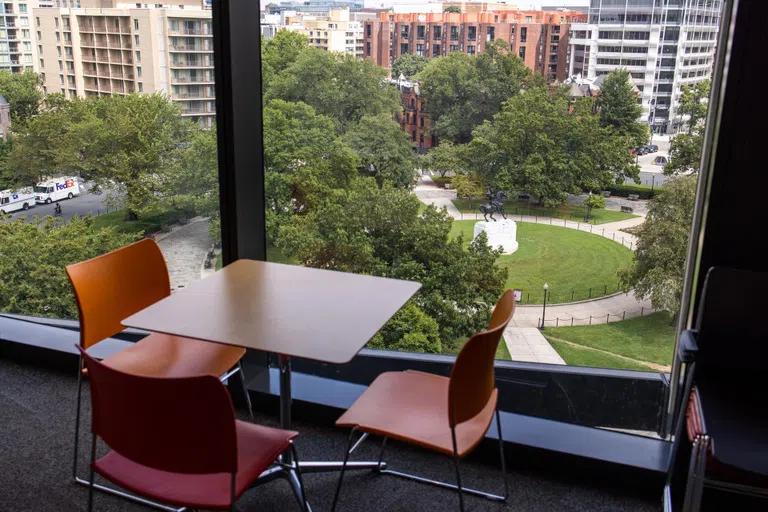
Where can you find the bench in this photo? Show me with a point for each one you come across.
(633, 197)
(626, 209)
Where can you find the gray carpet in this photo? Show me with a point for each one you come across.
(37, 413)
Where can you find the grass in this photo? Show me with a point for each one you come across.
(576, 356)
(502, 352)
(148, 223)
(565, 211)
(564, 258)
(648, 338)
(274, 255)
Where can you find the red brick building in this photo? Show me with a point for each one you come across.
(540, 38)
(414, 119)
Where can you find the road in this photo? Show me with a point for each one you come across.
(650, 173)
(81, 205)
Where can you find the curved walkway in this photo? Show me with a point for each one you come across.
(523, 339)
(185, 249)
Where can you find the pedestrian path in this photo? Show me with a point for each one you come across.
(596, 310)
(526, 344)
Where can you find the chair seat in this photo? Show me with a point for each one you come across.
(413, 407)
(737, 429)
(163, 355)
(257, 448)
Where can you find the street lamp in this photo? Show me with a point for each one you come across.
(544, 311)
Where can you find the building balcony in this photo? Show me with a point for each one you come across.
(183, 48)
(196, 111)
(194, 64)
(93, 28)
(192, 96)
(192, 80)
(191, 32)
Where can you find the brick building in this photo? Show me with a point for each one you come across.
(414, 119)
(540, 38)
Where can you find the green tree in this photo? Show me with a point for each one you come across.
(467, 187)
(410, 330)
(386, 152)
(378, 230)
(8, 176)
(408, 64)
(658, 269)
(685, 153)
(693, 103)
(619, 108)
(444, 158)
(34, 281)
(24, 94)
(453, 9)
(463, 90)
(336, 85)
(279, 52)
(594, 201)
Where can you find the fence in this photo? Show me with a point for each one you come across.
(595, 320)
(623, 238)
(565, 296)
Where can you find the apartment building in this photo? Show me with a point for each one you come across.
(88, 52)
(335, 32)
(540, 38)
(664, 44)
(17, 46)
(414, 118)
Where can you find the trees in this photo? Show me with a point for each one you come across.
(453, 9)
(280, 52)
(23, 92)
(685, 148)
(662, 245)
(619, 108)
(410, 330)
(462, 91)
(336, 85)
(408, 64)
(378, 230)
(594, 201)
(385, 151)
(444, 158)
(693, 103)
(467, 187)
(33, 258)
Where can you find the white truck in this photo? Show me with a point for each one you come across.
(13, 200)
(56, 189)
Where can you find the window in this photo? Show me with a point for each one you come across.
(454, 33)
(135, 24)
(470, 49)
(138, 71)
(471, 33)
(435, 50)
(403, 48)
(368, 29)
(436, 30)
(420, 32)
(136, 40)
(523, 34)
(419, 49)
(140, 87)
(138, 56)
(56, 22)
(368, 48)
(522, 52)
(23, 8)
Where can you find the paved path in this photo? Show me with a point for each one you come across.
(524, 341)
(184, 250)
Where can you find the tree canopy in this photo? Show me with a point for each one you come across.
(619, 108)
(408, 65)
(24, 94)
(463, 90)
(685, 148)
(694, 100)
(658, 269)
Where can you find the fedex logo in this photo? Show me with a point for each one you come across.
(67, 184)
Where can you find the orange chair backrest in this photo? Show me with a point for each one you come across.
(112, 287)
(472, 378)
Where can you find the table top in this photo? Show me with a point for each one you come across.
(290, 310)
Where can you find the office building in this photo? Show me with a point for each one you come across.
(334, 32)
(17, 50)
(540, 38)
(93, 51)
(664, 44)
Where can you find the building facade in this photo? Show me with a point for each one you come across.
(93, 52)
(414, 118)
(17, 43)
(664, 44)
(335, 32)
(540, 38)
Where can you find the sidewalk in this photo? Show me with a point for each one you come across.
(528, 345)
(530, 316)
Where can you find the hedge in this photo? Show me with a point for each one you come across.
(644, 191)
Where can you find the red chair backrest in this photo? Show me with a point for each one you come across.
(472, 378)
(180, 425)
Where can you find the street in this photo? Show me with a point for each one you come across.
(650, 173)
(81, 205)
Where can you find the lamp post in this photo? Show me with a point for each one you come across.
(544, 311)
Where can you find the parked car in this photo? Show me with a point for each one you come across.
(660, 160)
(652, 148)
(643, 150)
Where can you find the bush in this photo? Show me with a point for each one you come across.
(441, 181)
(410, 330)
(644, 191)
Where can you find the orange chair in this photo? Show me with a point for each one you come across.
(114, 286)
(177, 439)
(446, 415)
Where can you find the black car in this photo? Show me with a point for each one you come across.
(652, 148)
(643, 150)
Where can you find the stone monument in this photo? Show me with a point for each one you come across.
(501, 233)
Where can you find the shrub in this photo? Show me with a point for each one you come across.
(644, 191)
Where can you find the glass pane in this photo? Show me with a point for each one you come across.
(494, 168)
(127, 151)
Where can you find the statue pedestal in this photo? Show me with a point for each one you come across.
(501, 233)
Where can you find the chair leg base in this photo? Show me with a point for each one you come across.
(128, 496)
(475, 492)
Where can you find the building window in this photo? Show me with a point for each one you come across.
(435, 50)
(523, 34)
(471, 33)
(419, 49)
(368, 29)
(436, 32)
(522, 52)
(454, 33)
(136, 40)
(471, 49)
(138, 71)
(56, 22)
(138, 56)
(403, 48)
(368, 49)
(37, 21)
(420, 32)
(135, 24)
(141, 87)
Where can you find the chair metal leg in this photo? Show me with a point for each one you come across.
(343, 467)
(303, 499)
(91, 472)
(692, 466)
(359, 442)
(77, 414)
(458, 473)
(245, 390)
(701, 468)
(232, 493)
(380, 466)
(503, 458)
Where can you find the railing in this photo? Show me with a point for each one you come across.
(183, 48)
(198, 96)
(195, 64)
(191, 79)
(191, 32)
(197, 111)
(565, 296)
(596, 319)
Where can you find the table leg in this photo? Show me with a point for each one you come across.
(285, 392)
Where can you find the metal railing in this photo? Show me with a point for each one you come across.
(596, 319)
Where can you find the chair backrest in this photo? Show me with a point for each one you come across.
(112, 287)
(729, 322)
(181, 424)
(472, 377)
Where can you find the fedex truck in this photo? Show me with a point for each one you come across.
(11, 201)
(56, 189)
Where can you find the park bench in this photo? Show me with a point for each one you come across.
(633, 197)
(626, 209)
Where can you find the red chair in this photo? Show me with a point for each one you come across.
(176, 440)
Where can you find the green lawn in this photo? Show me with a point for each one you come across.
(575, 356)
(502, 352)
(647, 338)
(148, 223)
(564, 258)
(566, 211)
(274, 255)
